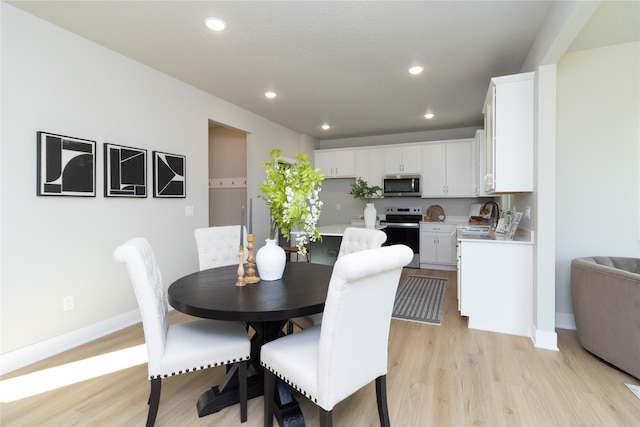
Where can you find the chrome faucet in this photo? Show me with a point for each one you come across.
(497, 211)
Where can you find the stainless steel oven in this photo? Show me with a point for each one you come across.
(402, 225)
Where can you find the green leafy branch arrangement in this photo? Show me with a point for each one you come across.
(291, 193)
(360, 189)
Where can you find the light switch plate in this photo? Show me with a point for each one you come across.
(67, 303)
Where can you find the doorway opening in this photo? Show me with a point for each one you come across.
(227, 174)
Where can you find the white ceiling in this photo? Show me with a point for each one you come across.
(340, 62)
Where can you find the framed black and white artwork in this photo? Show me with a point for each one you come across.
(125, 171)
(66, 166)
(169, 175)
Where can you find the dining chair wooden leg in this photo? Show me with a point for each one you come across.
(381, 397)
(269, 391)
(242, 380)
(154, 401)
(326, 418)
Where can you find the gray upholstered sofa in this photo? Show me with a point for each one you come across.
(605, 292)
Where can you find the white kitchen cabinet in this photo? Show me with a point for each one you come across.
(434, 170)
(495, 285)
(479, 159)
(448, 169)
(508, 114)
(403, 160)
(369, 165)
(437, 245)
(335, 163)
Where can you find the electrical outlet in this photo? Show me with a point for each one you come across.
(338, 206)
(67, 303)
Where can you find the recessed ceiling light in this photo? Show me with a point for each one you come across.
(215, 24)
(429, 115)
(416, 70)
(270, 95)
(326, 126)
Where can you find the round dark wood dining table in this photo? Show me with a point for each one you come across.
(266, 307)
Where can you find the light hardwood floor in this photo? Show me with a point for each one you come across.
(445, 375)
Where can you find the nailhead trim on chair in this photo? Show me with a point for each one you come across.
(289, 383)
(228, 362)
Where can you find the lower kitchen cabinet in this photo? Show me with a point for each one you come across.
(438, 245)
(495, 285)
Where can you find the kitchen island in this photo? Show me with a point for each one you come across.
(326, 251)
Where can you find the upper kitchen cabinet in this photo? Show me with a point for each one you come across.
(448, 169)
(369, 165)
(335, 163)
(508, 112)
(479, 159)
(403, 160)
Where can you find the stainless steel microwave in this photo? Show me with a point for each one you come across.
(401, 186)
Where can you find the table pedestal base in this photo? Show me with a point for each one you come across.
(286, 408)
(214, 400)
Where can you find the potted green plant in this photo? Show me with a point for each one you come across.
(360, 189)
(291, 192)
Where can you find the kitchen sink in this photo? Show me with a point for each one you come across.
(477, 231)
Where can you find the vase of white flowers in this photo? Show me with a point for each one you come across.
(291, 193)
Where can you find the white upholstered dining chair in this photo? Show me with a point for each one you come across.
(355, 239)
(329, 362)
(183, 347)
(218, 246)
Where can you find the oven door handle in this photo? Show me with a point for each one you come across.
(400, 224)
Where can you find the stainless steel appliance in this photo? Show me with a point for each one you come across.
(401, 185)
(402, 225)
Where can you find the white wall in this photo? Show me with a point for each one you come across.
(598, 152)
(52, 247)
(543, 207)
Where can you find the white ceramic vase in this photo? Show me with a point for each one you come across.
(370, 215)
(270, 261)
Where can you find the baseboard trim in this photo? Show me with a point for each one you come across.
(17, 359)
(565, 321)
(547, 340)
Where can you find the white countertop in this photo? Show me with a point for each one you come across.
(522, 236)
(338, 229)
(458, 221)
